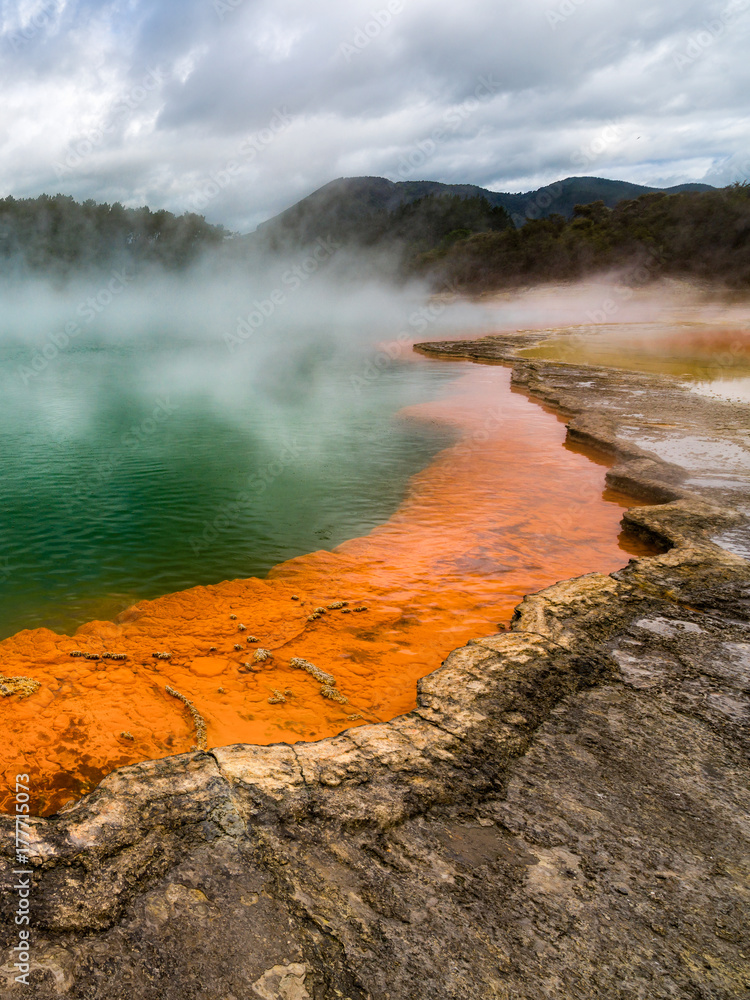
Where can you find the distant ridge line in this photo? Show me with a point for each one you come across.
(346, 200)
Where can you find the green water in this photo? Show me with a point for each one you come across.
(138, 469)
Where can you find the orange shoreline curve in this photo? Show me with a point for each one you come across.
(505, 511)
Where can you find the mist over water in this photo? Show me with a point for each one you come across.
(152, 447)
(163, 431)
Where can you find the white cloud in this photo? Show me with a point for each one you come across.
(153, 98)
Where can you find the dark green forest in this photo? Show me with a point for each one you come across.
(360, 209)
(355, 217)
(699, 235)
(456, 240)
(57, 235)
(433, 222)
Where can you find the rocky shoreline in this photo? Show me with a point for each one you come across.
(564, 814)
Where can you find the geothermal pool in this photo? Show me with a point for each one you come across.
(402, 513)
(706, 352)
(133, 470)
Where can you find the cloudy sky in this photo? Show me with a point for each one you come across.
(237, 108)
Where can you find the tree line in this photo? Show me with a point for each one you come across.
(700, 235)
(55, 233)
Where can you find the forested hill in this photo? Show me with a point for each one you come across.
(462, 236)
(358, 209)
(454, 237)
(698, 235)
(58, 235)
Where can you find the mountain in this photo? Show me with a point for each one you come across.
(694, 235)
(563, 196)
(352, 207)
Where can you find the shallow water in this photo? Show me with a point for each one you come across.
(504, 510)
(736, 390)
(700, 351)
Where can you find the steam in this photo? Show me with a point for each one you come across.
(225, 328)
(233, 415)
(290, 298)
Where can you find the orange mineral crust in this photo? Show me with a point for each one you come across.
(505, 511)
